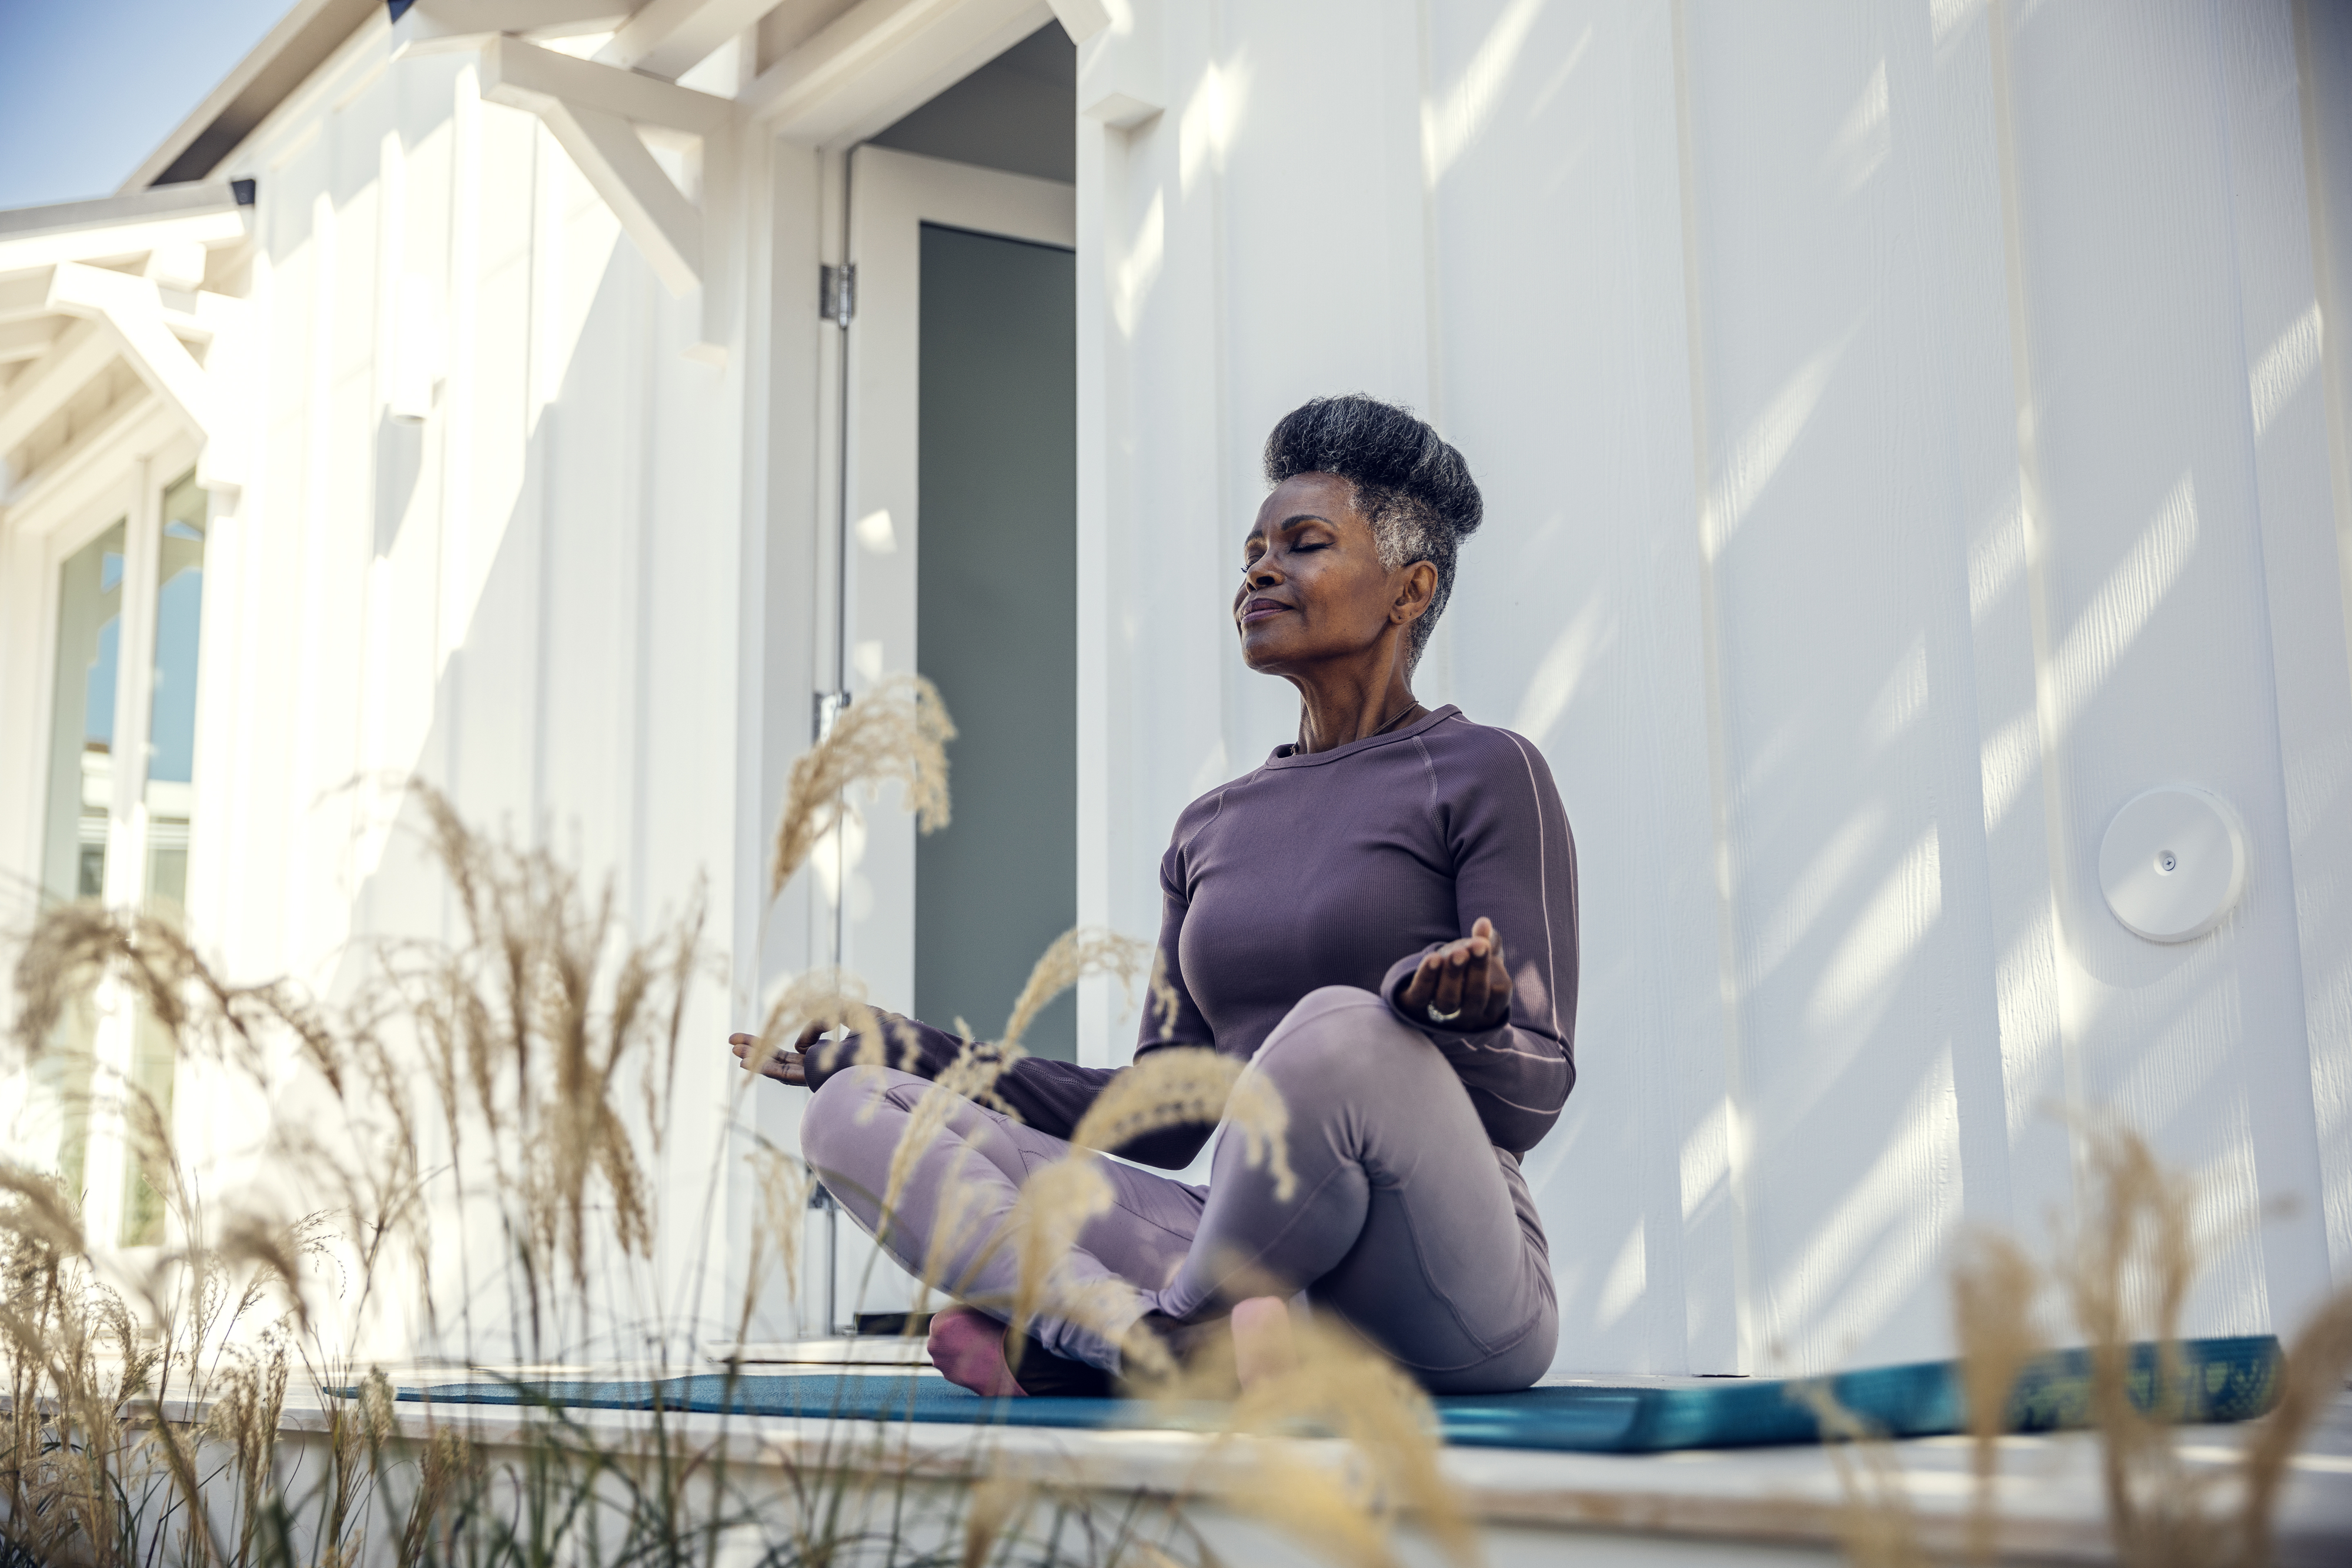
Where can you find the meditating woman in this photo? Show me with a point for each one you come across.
(1380, 918)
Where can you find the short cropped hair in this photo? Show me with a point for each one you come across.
(1414, 487)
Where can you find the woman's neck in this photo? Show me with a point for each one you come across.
(1333, 714)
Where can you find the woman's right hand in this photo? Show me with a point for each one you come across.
(784, 1066)
(790, 1064)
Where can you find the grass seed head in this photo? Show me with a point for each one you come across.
(897, 732)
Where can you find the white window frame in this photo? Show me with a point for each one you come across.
(121, 476)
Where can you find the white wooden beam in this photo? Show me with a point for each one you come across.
(880, 59)
(592, 110)
(28, 339)
(549, 18)
(120, 226)
(654, 211)
(24, 296)
(528, 77)
(41, 390)
(131, 311)
(668, 38)
(1081, 19)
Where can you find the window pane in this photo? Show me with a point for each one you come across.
(81, 727)
(172, 724)
(73, 853)
(169, 799)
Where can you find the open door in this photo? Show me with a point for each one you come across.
(960, 564)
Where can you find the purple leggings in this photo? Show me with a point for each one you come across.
(1405, 1222)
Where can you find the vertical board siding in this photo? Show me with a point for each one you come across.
(2159, 654)
(512, 599)
(1867, 401)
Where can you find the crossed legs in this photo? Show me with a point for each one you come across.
(1404, 1222)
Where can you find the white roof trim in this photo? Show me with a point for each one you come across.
(205, 214)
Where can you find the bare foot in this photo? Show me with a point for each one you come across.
(968, 1347)
(1263, 1348)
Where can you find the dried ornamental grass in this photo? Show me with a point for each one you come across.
(1167, 1088)
(1186, 1085)
(1994, 1286)
(897, 731)
(2124, 1272)
(1078, 952)
(1391, 1471)
(1875, 1522)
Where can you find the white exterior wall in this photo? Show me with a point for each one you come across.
(1904, 442)
(1905, 433)
(548, 598)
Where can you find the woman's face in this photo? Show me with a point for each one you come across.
(1313, 588)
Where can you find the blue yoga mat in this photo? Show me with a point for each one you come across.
(2223, 1380)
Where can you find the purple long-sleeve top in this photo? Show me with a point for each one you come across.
(1344, 868)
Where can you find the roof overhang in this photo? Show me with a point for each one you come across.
(85, 286)
(286, 55)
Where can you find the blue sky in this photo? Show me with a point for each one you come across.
(88, 87)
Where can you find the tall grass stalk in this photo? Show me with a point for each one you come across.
(464, 1161)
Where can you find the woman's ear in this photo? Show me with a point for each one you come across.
(1414, 593)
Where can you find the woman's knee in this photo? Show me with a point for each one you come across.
(840, 1116)
(1332, 1028)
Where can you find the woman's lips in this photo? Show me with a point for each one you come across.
(1258, 610)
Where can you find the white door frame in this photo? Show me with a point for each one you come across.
(865, 877)
(893, 195)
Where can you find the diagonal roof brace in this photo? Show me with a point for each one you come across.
(132, 312)
(594, 111)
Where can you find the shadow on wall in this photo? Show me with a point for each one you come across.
(587, 704)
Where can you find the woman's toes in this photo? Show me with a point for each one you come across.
(1263, 1347)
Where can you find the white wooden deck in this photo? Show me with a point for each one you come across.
(1770, 1505)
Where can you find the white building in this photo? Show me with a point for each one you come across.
(1910, 432)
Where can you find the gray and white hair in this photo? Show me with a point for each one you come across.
(1415, 489)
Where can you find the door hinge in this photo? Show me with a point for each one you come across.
(836, 293)
(828, 710)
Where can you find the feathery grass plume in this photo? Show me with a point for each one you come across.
(2316, 1364)
(1340, 1384)
(1876, 1518)
(970, 1077)
(1076, 953)
(1994, 1285)
(829, 1000)
(780, 1185)
(898, 730)
(244, 1418)
(1167, 1088)
(996, 1507)
(546, 1039)
(448, 1463)
(1163, 995)
(1178, 1086)
(1056, 1202)
(2126, 1272)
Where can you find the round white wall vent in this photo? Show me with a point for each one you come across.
(2173, 862)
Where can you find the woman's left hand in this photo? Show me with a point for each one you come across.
(1463, 986)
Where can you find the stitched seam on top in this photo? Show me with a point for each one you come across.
(1543, 889)
(1216, 811)
(1428, 804)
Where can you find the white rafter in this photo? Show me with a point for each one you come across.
(28, 339)
(594, 112)
(43, 387)
(669, 37)
(879, 59)
(176, 215)
(116, 314)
